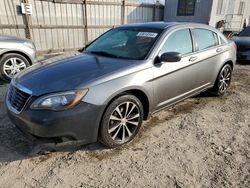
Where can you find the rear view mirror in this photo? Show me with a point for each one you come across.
(170, 57)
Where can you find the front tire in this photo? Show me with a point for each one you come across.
(11, 64)
(223, 81)
(121, 121)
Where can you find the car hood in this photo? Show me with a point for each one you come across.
(7, 38)
(68, 74)
(242, 40)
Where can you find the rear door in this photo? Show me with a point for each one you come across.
(208, 52)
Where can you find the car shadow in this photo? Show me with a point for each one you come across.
(14, 145)
(205, 94)
(2, 83)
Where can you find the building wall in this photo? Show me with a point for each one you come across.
(61, 25)
(206, 12)
(234, 22)
(201, 15)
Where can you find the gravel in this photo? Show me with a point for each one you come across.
(201, 142)
(3, 88)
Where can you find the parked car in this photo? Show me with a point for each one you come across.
(119, 80)
(242, 41)
(16, 54)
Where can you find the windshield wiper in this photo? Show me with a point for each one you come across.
(103, 53)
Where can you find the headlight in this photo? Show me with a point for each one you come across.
(29, 45)
(59, 101)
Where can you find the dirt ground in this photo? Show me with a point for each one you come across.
(201, 142)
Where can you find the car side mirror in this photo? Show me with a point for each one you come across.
(84, 48)
(81, 49)
(170, 57)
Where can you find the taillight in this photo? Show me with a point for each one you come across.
(235, 46)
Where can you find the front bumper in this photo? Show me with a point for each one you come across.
(79, 123)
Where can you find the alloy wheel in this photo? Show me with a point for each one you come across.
(225, 79)
(12, 66)
(124, 121)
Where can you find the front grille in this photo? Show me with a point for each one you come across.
(17, 98)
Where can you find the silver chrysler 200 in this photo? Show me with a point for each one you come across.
(119, 80)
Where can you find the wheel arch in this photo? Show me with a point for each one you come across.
(17, 52)
(140, 94)
(143, 98)
(219, 68)
(230, 63)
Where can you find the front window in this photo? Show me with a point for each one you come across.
(245, 32)
(186, 7)
(130, 43)
(180, 41)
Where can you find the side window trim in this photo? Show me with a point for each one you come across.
(222, 42)
(169, 34)
(195, 44)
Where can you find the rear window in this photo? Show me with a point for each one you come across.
(206, 38)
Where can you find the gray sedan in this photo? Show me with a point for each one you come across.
(119, 80)
(16, 54)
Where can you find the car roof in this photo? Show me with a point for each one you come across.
(165, 25)
(152, 25)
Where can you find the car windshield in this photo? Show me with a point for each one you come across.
(245, 32)
(132, 43)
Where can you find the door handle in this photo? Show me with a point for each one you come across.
(192, 58)
(219, 50)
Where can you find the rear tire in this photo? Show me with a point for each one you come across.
(11, 64)
(223, 81)
(121, 121)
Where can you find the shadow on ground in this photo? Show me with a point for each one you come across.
(2, 83)
(14, 145)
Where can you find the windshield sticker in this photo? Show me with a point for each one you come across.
(147, 34)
